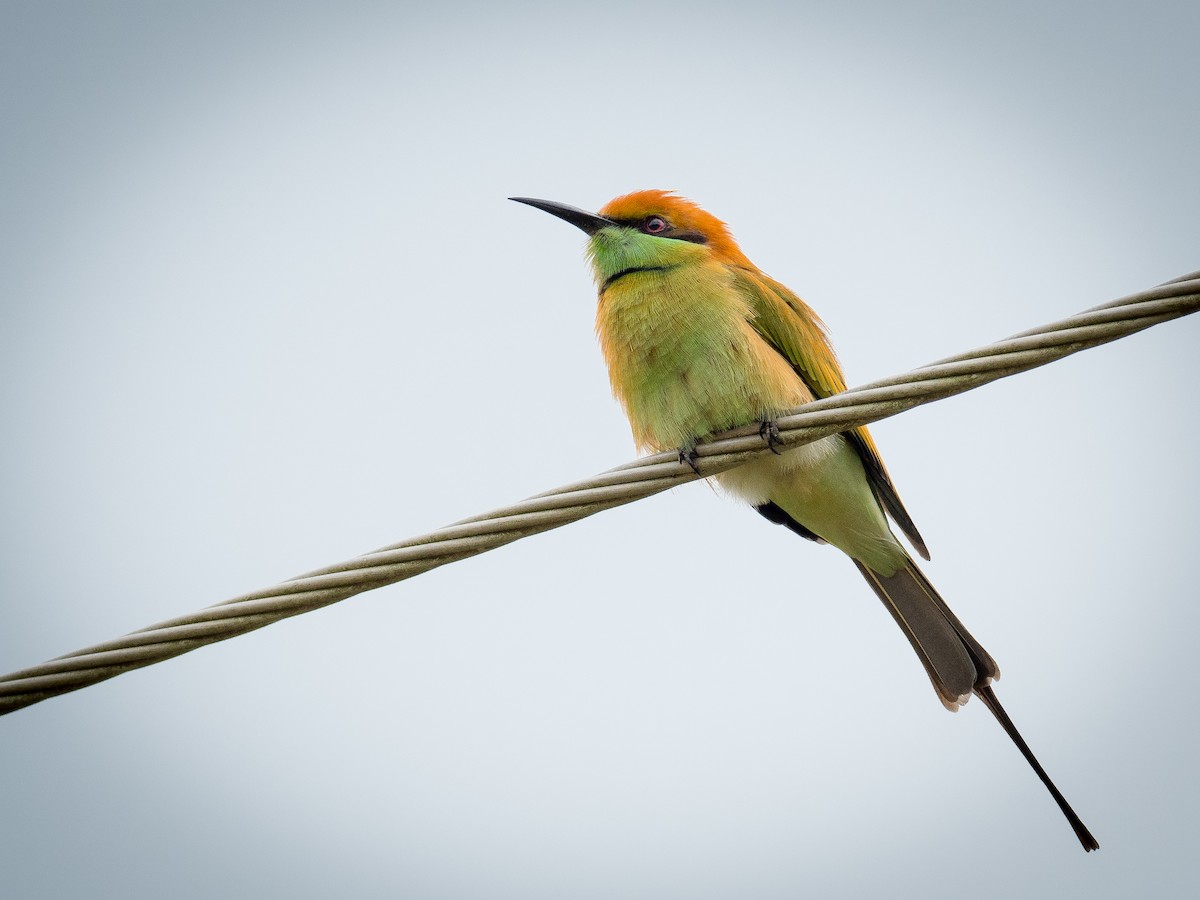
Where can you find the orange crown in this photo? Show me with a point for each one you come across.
(681, 213)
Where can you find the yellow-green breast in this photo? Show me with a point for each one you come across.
(683, 358)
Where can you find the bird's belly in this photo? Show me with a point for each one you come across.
(822, 486)
(759, 480)
(688, 386)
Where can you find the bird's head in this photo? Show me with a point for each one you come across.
(647, 229)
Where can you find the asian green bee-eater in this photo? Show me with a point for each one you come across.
(699, 340)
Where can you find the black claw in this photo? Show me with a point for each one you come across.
(769, 432)
(689, 455)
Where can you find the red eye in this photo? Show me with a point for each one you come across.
(654, 225)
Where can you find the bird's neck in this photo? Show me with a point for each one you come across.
(616, 252)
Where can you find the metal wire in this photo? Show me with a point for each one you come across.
(633, 481)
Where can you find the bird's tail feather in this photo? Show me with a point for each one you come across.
(957, 664)
(988, 696)
(954, 660)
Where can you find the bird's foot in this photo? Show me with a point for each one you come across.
(688, 455)
(769, 432)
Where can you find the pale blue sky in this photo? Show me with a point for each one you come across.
(263, 306)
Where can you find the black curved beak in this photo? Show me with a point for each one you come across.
(589, 222)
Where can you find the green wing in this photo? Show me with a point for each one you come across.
(789, 325)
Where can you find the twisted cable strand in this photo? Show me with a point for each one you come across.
(633, 481)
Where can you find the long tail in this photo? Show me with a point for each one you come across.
(957, 664)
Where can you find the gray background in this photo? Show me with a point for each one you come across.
(265, 306)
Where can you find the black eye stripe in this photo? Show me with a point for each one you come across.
(694, 237)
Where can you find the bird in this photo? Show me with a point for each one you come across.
(699, 340)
